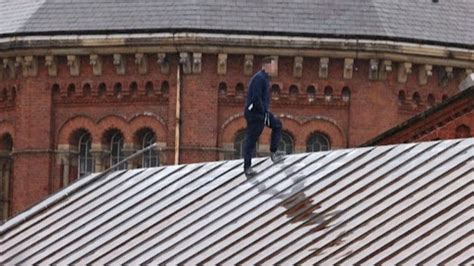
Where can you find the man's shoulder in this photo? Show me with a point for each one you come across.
(260, 75)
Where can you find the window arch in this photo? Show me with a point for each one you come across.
(149, 88)
(222, 89)
(293, 91)
(275, 91)
(150, 158)
(318, 142)
(118, 90)
(71, 90)
(416, 98)
(346, 94)
(133, 89)
(401, 97)
(114, 138)
(463, 131)
(5, 94)
(431, 99)
(102, 90)
(286, 143)
(55, 90)
(165, 87)
(86, 89)
(311, 92)
(328, 93)
(239, 144)
(85, 159)
(240, 90)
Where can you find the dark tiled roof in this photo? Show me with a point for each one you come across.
(446, 22)
(408, 204)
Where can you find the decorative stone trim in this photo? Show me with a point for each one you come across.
(222, 64)
(119, 63)
(324, 67)
(386, 67)
(142, 63)
(197, 63)
(348, 68)
(9, 66)
(248, 65)
(374, 69)
(96, 62)
(74, 64)
(424, 71)
(163, 62)
(403, 70)
(51, 64)
(30, 66)
(185, 60)
(298, 67)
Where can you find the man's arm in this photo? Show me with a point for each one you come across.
(258, 94)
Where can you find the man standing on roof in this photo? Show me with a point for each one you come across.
(258, 116)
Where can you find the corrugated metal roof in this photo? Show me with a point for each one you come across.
(446, 22)
(409, 203)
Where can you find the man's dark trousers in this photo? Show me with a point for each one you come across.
(254, 130)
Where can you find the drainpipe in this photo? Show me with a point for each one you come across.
(177, 138)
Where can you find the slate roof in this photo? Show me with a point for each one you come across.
(409, 204)
(447, 22)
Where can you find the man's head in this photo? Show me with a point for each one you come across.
(269, 65)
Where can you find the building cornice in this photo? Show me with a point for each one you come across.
(236, 44)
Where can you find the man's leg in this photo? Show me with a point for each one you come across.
(254, 129)
(276, 126)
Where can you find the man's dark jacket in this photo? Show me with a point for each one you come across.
(258, 97)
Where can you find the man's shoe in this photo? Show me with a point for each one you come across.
(249, 172)
(277, 157)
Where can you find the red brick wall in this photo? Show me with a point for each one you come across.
(43, 119)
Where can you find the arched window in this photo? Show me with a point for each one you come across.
(13, 93)
(240, 90)
(151, 157)
(118, 90)
(275, 91)
(239, 144)
(286, 143)
(463, 131)
(5, 94)
(416, 98)
(293, 92)
(318, 142)
(311, 92)
(86, 89)
(149, 89)
(86, 161)
(401, 97)
(222, 89)
(346, 94)
(6, 147)
(71, 90)
(55, 90)
(115, 138)
(165, 87)
(133, 89)
(328, 93)
(102, 90)
(431, 99)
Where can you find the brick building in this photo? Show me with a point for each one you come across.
(83, 84)
(451, 119)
